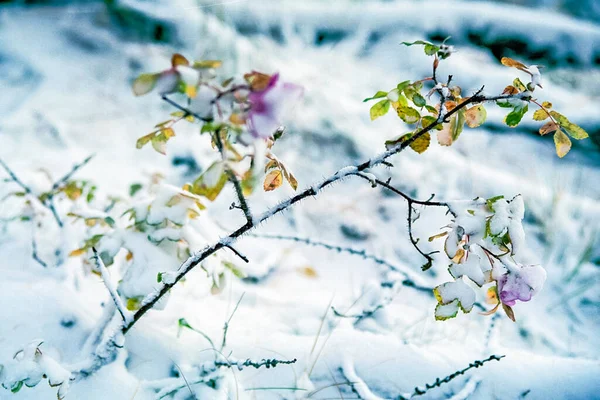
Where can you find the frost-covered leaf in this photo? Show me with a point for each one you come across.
(273, 180)
(379, 109)
(159, 143)
(475, 116)
(457, 290)
(408, 114)
(446, 311)
(574, 130)
(562, 143)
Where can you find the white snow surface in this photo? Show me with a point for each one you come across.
(81, 103)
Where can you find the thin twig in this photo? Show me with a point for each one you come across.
(34, 252)
(237, 253)
(226, 325)
(239, 191)
(125, 313)
(409, 277)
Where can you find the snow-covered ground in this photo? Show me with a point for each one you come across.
(66, 75)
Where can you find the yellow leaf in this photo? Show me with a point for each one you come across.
(475, 116)
(562, 142)
(492, 295)
(421, 144)
(133, 303)
(308, 271)
(168, 132)
(509, 312)
(547, 104)
(509, 62)
(548, 127)
(178, 59)
(77, 252)
(208, 64)
(129, 256)
(141, 142)
(460, 253)
(439, 235)
(540, 115)
(273, 180)
(144, 84)
(191, 91)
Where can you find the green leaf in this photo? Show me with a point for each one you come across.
(110, 221)
(16, 387)
(379, 109)
(516, 115)
(419, 100)
(408, 114)
(575, 131)
(402, 85)
(428, 120)
(141, 142)
(377, 95)
(134, 188)
(457, 124)
(400, 139)
(490, 202)
(430, 48)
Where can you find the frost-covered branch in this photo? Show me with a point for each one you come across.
(125, 313)
(151, 299)
(409, 277)
(439, 382)
(47, 199)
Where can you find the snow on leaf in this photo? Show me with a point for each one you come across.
(408, 114)
(211, 182)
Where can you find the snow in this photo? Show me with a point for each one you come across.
(87, 107)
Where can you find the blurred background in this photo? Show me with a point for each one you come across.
(65, 73)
